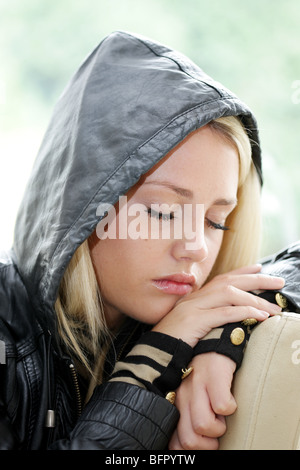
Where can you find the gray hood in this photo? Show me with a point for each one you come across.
(128, 105)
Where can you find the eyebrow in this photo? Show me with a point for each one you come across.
(177, 189)
(187, 193)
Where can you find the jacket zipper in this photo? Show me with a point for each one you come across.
(50, 414)
(77, 389)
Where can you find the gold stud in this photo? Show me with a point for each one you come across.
(237, 336)
(281, 300)
(186, 372)
(249, 321)
(171, 396)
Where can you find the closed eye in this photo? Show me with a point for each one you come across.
(216, 226)
(160, 215)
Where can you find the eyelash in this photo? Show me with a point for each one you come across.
(160, 215)
(171, 216)
(216, 226)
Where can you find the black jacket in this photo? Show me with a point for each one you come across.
(130, 102)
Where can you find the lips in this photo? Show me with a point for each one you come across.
(176, 284)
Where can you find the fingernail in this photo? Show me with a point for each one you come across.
(282, 280)
(264, 314)
(276, 308)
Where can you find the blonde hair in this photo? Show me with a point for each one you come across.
(80, 313)
(79, 310)
(241, 244)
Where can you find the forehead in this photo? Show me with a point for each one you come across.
(203, 163)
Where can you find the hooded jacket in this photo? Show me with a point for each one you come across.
(128, 105)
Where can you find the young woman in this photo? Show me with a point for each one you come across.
(105, 314)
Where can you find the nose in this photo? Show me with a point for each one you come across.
(195, 250)
(193, 244)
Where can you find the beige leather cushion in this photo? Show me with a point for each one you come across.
(267, 389)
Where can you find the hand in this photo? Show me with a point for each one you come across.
(204, 399)
(225, 299)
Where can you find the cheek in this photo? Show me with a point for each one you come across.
(213, 242)
(217, 243)
(122, 263)
(111, 258)
(124, 271)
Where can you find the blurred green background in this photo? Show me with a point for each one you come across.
(253, 48)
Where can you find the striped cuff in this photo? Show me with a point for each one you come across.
(154, 363)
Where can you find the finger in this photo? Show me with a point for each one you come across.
(200, 443)
(190, 322)
(224, 406)
(197, 413)
(217, 317)
(232, 295)
(219, 387)
(237, 297)
(220, 289)
(193, 433)
(203, 419)
(174, 443)
(188, 439)
(253, 282)
(249, 282)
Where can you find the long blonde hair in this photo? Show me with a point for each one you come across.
(80, 313)
(241, 244)
(79, 310)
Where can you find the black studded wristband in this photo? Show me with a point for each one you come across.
(229, 340)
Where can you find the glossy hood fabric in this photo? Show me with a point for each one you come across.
(128, 105)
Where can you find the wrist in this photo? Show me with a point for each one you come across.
(229, 341)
